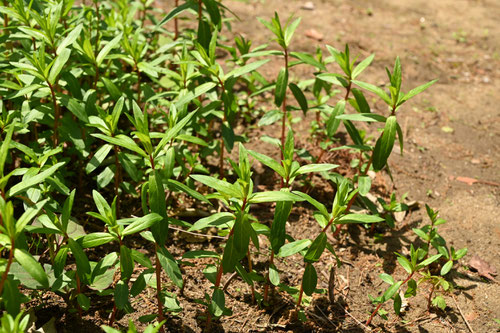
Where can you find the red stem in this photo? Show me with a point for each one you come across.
(9, 262)
(161, 317)
(176, 23)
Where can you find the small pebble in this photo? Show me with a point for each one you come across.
(309, 5)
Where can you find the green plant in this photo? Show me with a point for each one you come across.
(430, 269)
(102, 105)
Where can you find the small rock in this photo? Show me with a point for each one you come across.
(314, 34)
(486, 79)
(372, 174)
(309, 5)
(475, 161)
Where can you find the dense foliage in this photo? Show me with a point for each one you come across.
(99, 100)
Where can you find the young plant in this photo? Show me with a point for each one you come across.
(421, 262)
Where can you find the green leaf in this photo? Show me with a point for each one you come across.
(28, 215)
(361, 103)
(71, 38)
(106, 49)
(274, 275)
(391, 291)
(294, 247)
(422, 234)
(170, 266)
(309, 279)
(318, 205)
(4, 149)
(281, 84)
(290, 29)
(82, 262)
(67, 208)
(387, 278)
(122, 141)
(126, 262)
(174, 12)
(316, 249)
(141, 224)
(364, 184)
(214, 220)
(231, 256)
(333, 122)
(278, 228)
(217, 305)
(241, 233)
(269, 162)
(308, 168)
(299, 96)
(220, 186)
(429, 261)
(308, 59)
(197, 254)
(98, 158)
(397, 304)
(121, 295)
(33, 267)
(383, 147)
(412, 288)
(96, 239)
(245, 69)
(58, 65)
(362, 65)
(416, 91)
(405, 263)
(274, 196)
(158, 205)
(32, 181)
(359, 218)
(368, 117)
(439, 302)
(446, 268)
(83, 301)
(374, 89)
(175, 185)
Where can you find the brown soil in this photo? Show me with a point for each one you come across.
(457, 42)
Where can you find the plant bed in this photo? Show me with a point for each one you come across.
(204, 182)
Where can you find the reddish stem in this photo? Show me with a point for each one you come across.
(176, 23)
(161, 317)
(7, 268)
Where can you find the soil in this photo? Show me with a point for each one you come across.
(452, 130)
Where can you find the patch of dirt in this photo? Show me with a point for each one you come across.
(452, 130)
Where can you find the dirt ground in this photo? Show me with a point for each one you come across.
(452, 130)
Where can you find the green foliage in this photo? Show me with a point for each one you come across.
(103, 102)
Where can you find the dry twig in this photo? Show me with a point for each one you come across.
(462, 314)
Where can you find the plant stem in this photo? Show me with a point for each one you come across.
(9, 263)
(429, 299)
(283, 108)
(249, 257)
(200, 11)
(55, 137)
(220, 270)
(138, 84)
(78, 291)
(266, 286)
(176, 23)
(117, 181)
(161, 317)
(380, 304)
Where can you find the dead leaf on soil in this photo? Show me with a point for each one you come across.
(314, 34)
(472, 316)
(482, 267)
(467, 180)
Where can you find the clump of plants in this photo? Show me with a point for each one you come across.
(110, 124)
